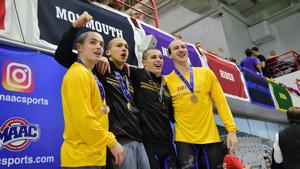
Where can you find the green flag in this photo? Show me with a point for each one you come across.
(282, 96)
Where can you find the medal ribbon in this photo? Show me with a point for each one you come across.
(190, 85)
(161, 91)
(100, 86)
(124, 88)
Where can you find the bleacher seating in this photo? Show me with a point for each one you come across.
(283, 64)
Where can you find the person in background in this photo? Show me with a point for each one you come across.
(262, 60)
(272, 63)
(86, 134)
(192, 90)
(137, 14)
(272, 55)
(198, 45)
(231, 59)
(178, 36)
(110, 3)
(287, 142)
(117, 5)
(251, 62)
(231, 161)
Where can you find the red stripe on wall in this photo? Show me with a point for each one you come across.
(2, 13)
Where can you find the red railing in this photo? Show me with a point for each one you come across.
(283, 64)
(151, 7)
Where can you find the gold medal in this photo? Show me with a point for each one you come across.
(194, 98)
(104, 109)
(129, 106)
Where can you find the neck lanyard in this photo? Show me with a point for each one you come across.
(100, 86)
(125, 88)
(190, 85)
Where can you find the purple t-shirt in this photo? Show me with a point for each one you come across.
(250, 63)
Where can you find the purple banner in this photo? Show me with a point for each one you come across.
(194, 56)
(163, 41)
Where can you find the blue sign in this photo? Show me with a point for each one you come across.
(31, 118)
(55, 16)
(258, 89)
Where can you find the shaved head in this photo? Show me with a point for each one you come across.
(109, 45)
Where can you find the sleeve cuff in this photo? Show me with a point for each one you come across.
(112, 142)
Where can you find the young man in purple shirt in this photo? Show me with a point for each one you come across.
(251, 62)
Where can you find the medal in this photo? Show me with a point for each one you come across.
(129, 106)
(104, 109)
(194, 98)
(190, 85)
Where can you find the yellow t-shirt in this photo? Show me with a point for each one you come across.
(194, 122)
(86, 129)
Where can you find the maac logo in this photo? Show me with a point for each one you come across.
(16, 134)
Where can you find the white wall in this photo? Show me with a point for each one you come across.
(237, 36)
(174, 16)
(203, 28)
(209, 32)
(287, 34)
(227, 32)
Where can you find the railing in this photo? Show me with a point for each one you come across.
(152, 7)
(283, 64)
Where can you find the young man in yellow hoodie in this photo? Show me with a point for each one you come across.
(86, 134)
(192, 90)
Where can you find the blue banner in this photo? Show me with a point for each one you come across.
(258, 89)
(55, 16)
(31, 118)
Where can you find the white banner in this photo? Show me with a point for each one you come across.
(9, 26)
(290, 80)
(27, 12)
(296, 100)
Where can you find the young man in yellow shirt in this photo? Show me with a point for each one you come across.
(86, 134)
(192, 90)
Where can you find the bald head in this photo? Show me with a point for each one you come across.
(293, 114)
(117, 51)
(147, 52)
(113, 41)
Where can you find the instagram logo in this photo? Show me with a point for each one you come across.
(17, 77)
